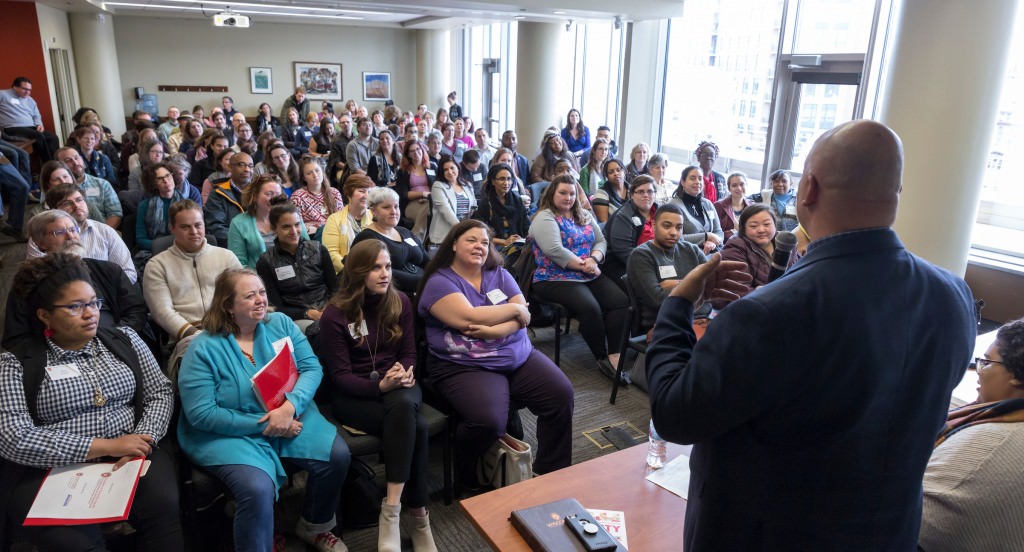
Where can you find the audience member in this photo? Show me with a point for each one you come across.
(502, 207)
(730, 207)
(657, 167)
(116, 410)
(96, 163)
(384, 163)
(361, 148)
(520, 164)
(701, 225)
(265, 121)
(342, 227)
(973, 494)
(657, 266)
(99, 240)
(99, 194)
(251, 233)
(481, 359)
(298, 272)
(225, 201)
(453, 201)
(20, 117)
(630, 226)
(226, 430)
(820, 446)
(337, 167)
(53, 231)
(416, 176)
(370, 327)
(591, 175)
(613, 193)
(780, 199)
(408, 257)
(284, 167)
(576, 135)
(568, 248)
(755, 244)
(637, 161)
(551, 151)
(316, 199)
(714, 182)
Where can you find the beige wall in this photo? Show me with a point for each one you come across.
(211, 56)
(56, 34)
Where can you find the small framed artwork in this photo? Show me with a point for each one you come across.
(322, 81)
(261, 80)
(376, 87)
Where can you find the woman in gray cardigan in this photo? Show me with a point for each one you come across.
(569, 248)
(452, 200)
(701, 225)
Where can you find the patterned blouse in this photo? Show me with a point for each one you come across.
(68, 418)
(578, 238)
(313, 208)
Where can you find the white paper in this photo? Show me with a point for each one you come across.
(85, 493)
(667, 271)
(496, 296)
(674, 477)
(411, 242)
(614, 522)
(58, 372)
(285, 272)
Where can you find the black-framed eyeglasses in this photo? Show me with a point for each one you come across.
(25, 89)
(63, 232)
(76, 309)
(982, 363)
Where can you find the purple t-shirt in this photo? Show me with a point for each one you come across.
(504, 354)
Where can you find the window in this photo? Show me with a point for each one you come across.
(488, 76)
(597, 75)
(999, 227)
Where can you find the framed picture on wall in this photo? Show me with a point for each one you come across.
(376, 87)
(260, 80)
(321, 80)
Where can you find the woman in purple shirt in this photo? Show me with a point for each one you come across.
(481, 359)
(368, 325)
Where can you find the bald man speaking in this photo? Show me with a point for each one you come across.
(813, 403)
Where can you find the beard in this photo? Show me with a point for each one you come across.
(75, 249)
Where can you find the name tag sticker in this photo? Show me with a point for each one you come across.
(358, 332)
(496, 296)
(667, 271)
(285, 272)
(58, 372)
(477, 177)
(92, 192)
(411, 242)
(637, 221)
(791, 209)
(430, 172)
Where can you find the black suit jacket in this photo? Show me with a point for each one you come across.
(814, 402)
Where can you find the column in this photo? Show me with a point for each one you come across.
(543, 82)
(433, 68)
(941, 96)
(99, 79)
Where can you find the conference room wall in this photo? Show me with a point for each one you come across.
(163, 51)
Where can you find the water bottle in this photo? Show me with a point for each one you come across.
(656, 449)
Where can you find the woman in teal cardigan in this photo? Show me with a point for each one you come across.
(224, 427)
(250, 233)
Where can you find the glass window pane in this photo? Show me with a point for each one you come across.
(1000, 223)
(833, 26)
(705, 96)
(817, 113)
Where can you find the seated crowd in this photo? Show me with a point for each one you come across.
(368, 231)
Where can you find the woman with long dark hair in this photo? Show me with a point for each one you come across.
(701, 226)
(552, 151)
(453, 200)
(575, 134)
(755, 244)
(374, 384)
(502, 207)
(384, 163)
(316, 199)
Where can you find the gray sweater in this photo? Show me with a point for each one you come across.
(544, 230)
(694, 231)
(645, 274)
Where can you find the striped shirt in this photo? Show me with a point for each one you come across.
(100, 242)
(974, 491)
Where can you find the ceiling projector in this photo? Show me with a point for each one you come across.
(229, 19)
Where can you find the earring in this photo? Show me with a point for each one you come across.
(47, 332)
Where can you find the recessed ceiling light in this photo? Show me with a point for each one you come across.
(559, 13)
(519, 17)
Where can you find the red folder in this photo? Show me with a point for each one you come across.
(275, 379)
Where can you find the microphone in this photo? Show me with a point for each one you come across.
(785, 243)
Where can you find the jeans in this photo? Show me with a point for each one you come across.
(15, 189)
(254, 492)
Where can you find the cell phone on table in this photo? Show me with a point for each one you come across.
(590, 533)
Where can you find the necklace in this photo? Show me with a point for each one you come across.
(98, 398)
(374, 375)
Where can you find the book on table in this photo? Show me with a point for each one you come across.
(86, 493)
(276, 378)
(543, 527)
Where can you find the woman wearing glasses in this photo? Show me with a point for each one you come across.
(630, 226)
(76, 393)
(973, 491)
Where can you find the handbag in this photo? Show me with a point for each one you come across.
(508, 462)
(359, 506)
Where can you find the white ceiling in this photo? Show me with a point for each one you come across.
(440, 14)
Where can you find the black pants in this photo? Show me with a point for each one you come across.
(600, 306)
(397, 421)
(154, 513)
(46, 142)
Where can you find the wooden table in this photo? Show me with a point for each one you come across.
(654, 516)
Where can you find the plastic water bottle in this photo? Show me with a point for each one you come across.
(656, 449)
